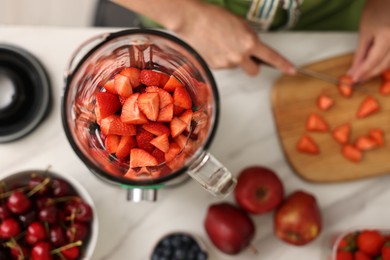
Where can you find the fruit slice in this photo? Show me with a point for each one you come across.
(159, 155)
(165, 114)
(125, 145)
(316, 123)
(161, 142)
(352, 153)
(345, 86)
(324, 102)
(165, 97)
(307, 145)
(143, 140)
(181, 140)
(385, 88)
(177, 127)
(181, 98)
(173, 151)
(368, 107)
(365, 143)
(140, 158)
(111, 143)
(150, 77)
(149, 104)
(122, 85)
(177, 110)
(110, 86)
(133, 75)
(172, 84)
(186, 117)
(377, 135)
(341, 133)
(113, 125)
(131, 113)
(163, 80)
(106, 105)
(156, 128)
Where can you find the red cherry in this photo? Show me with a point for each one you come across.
(57, 236)
(71, 253)
(19, 252)
(60, 188)
(83, 211)
(9, 228)
(43, 202)
(27, 218)
(49, 214)
(41, 251)
(77, 231)
(4, 212)
(35, 232)
(37, 180)
(18, 202)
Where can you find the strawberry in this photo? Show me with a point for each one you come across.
(359, 255)
(159, 155)
(186, 117)
(177, 110)
(385, 88)
(177, 127)
(348, 242)
(165, 97)
(156, 128)
(125, 145)
(370, 242)
(110, 86)
(365, 143)
(352, 153)
(106, 105)
(181, 140)
(345, 86)
(122, 85)
(307, 145)
(344, 255)
(143, 140)
(149, 104)
(177, 162)
(173, 151)
(150, 77)
(172, 84)
(386, 251)
(131, 113)
(140, 158)
(165, 114)
(133, 76)
(324, 102)
(161, 142)
(368, 107)
(182, 98)
(163, 80)
(386, 75)
(316, 123)
(111, 143)
(341, 133)
(377, 135)
(113, 125)
(345, 80)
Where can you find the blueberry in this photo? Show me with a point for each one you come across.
(202, 256)
(166, 242)
(180, 254)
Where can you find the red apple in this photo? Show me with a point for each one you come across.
(258, 190)
(230, 229)
(298, 219)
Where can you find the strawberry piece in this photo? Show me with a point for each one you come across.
(133, 76)
(345, 86)
(385, 88)
(181, 140)
(307, 145)
(177, 162)
(370, 242)
(111, 143)
(156, 128)
(125, 145)
(352, 153)
(316, 123)
(165, 97)
(368, 107)
(182, 98)
(163, 80)
(177, 110)
(177, 127)
(378, 136)
(140, 158)
(106, 105)
(161, 142)
(345, 80)
(359, 255)
(122, 100)
(165, 114)
(324, 102)
(386, 251)
(113, 125)
(172, 84)
(386, 75)
(344, 255)
(122, 85)
(173, 151)
(342, 133)
(143, 140)
(149, 104)
(186, 117)
(159, 155)
(365, 143)
(150, 77)
(110, 86)
(131, 113)
(348, 242)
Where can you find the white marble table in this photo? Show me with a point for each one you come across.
(246, 136)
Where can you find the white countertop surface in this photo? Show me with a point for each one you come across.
(246, 136)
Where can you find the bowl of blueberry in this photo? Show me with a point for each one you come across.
(179, 246)
(46, 216)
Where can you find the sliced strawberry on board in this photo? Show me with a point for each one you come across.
(133, 75)
(122, 85)
(174, 150)
(307, 145)
(140, 158)
(386, 75)
(149, 104)
(165, 97)
(182, 98)
(161, 142)
(165, 114)
(113, 125)
(159, 155)
(324, 102)
(316, 123)
(385, 88)
(131, 113)
(143, 140)
(342, 133)
(177, 127)
(106, 105)
(150, 77)
(111, 143)
(352, 153)
(125, 145)
(368, 107)
(365, 143)
(186, 117)
(156, 128)
(345, 86)
(172, 84)
(110, 86)
(377, 135)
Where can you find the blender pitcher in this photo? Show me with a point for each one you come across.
(101, 58)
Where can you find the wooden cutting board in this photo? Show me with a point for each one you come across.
(294, 98)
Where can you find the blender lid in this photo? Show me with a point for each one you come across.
(25, 96)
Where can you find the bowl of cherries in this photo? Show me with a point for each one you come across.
(45, 216)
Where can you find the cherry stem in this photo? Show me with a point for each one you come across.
(8, 193)
(65, 199)
(38, 187)
(254, 249)
(65, 247)
(13, 244)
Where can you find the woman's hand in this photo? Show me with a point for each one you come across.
(373, 52)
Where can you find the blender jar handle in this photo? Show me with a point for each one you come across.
(212, 175)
